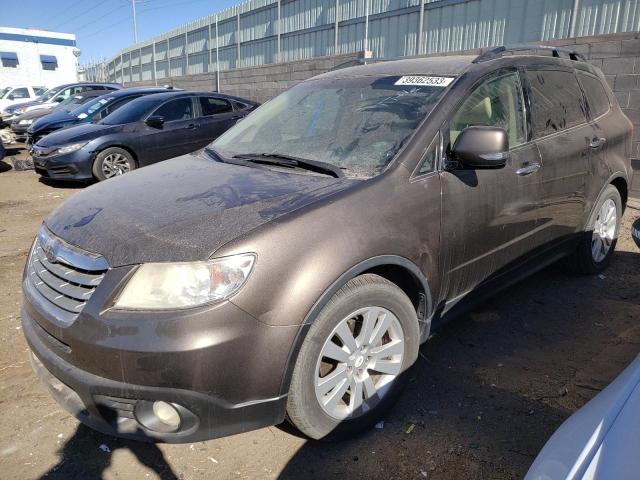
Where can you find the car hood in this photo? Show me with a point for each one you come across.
(33, 114)
(77, 133)
(182, 209)
(51, 118)
(6, 104)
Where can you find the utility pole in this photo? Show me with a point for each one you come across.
(135, 22)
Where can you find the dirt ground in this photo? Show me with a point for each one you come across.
(487, 392)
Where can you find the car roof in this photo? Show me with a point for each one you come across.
(453, 65)
(125, 92)
(444, 65)
(165, 95)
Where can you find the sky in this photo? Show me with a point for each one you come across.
(104, 27)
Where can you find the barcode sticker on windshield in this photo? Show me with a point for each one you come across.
(424, 81)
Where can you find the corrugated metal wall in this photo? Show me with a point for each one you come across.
(260, 32)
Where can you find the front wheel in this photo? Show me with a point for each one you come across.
(112, 162)
(354, 361)
(599, 241)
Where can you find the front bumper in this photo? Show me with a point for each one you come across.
(71, 166)
(20, 131)
(223, 368)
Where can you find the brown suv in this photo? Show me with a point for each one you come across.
(294, 267)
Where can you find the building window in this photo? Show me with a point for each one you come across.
(49, 62)
(9, 59)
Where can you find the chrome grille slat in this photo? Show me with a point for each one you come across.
(65, 288)
(68, 273)
(59, 287)
(66, 303)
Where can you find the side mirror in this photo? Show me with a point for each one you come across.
(155, 121)
(11, 97)
(482, 147)
(58, 99)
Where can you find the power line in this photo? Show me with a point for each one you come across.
(85, 25)
(69, 20)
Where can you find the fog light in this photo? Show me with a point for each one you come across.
(167, 414)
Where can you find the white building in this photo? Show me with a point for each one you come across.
(37, 57)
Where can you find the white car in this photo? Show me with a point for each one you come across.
(19, 94)
(601, 441)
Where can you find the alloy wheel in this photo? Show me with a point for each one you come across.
(604, 230)
(358, 362)
(115, 164)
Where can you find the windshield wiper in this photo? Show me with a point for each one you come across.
(283, 160)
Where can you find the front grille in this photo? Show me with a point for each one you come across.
(62, 277)
(42, 152)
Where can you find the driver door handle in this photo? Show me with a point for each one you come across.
(597, 142)
(528, 169)
(191, 126)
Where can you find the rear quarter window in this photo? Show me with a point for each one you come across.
(557, 101)
(597, 98)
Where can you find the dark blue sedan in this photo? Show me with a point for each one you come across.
(146, 130)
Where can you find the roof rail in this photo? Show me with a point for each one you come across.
(521, 47)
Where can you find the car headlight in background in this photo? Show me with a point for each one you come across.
(25, 122)
(163, 286)
(70, 148)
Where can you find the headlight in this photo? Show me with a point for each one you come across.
(161, 286)
(71, 148)
(25, 122)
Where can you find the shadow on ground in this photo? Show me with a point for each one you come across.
(86, 455)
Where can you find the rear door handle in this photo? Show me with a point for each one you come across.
(191, 126)
(597, 142)
(528, 169)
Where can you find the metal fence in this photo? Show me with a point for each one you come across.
(260, 32)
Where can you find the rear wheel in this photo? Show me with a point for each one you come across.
(112, 162)
(353, 362)
(599, 241)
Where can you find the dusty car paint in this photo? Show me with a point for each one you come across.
(439, 235)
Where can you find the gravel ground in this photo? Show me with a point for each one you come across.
(487, 391)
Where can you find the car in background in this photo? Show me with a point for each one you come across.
(600, 441)
(635, 232)
(19, 94)
(90, 112)
(21, 123)
(146, 130)
(52, 97)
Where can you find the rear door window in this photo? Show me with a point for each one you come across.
(214, 106)
(557, 101)
(497, 102)
(597, 97)
(179, 109)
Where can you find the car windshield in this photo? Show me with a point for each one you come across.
(69, 103)
(356, 124)
(4, 91)
(91, 107)
(133, 111)
(49, 94)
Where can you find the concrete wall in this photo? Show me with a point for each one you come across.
(618, 55)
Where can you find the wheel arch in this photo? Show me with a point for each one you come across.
(398, 270)
(127, 148)
(618, 180)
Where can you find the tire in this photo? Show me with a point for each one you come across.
(585, 259)
(112, 162)
(387, 307)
